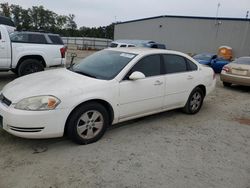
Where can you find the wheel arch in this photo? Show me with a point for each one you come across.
(106, 105)
(37, 57)
(203, 88)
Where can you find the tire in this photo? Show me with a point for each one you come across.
(194, 102)
(14, 71)
(83, 128)
(29, 66)
(226, 84)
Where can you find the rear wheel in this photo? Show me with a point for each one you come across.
(88, 123)
(226, 84)
(29, 66)
(194, 102)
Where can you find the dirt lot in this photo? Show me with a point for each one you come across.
(171, 149)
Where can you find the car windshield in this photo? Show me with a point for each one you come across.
(105, 64)
(242, 60)
(206, 57)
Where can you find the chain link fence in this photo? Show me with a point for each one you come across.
(86, 43)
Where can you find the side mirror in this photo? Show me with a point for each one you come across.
(137, 75)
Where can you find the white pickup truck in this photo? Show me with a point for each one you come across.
(28, 52)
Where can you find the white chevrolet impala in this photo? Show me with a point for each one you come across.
(108, 87)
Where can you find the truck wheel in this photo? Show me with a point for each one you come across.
(14, 71)
(29, 66)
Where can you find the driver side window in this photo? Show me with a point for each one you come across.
(149, 66)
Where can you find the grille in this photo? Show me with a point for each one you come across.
(4, 100)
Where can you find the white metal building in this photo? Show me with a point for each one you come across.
(190, 34)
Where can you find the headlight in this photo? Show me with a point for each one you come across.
(38, 103)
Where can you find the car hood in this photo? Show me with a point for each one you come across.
(57, 82)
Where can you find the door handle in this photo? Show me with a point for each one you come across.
(190, 77)
(158, 83)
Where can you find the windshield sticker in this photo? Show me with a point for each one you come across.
(130, 56)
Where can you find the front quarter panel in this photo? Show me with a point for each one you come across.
(106, 91)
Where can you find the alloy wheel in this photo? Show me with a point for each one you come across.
(90, 124)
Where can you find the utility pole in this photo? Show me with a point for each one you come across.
(217, 13)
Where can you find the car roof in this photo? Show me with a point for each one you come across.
(145, 51)
(136, 42)
(245, 57)
(36, 33)
(206, 53)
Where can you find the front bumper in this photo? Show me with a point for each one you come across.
(33, 124)
(235, 79)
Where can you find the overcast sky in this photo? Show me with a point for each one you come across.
(104, 12)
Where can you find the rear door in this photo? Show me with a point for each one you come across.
(181, 77)
(5, 49)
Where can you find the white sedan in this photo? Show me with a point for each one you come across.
(108, 87)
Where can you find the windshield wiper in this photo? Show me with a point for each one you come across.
(84, 73)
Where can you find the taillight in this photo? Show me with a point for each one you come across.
(63, 51)
(225, 68)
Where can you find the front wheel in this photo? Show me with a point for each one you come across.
(194, 102)
(88, 123)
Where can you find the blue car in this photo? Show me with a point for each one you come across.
(211, 60)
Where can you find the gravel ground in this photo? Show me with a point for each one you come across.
(171, 149)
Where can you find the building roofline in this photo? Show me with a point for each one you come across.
(188, 17)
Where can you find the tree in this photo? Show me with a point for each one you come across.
(61, 21)
(71, 24)
(16, 12)
(5, 9)
(38, 18)
(26, 20)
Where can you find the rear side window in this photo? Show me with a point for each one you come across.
(123, 46)
(191, 66)
(19, 37)
(28, 38)
(174, 64)
(149, 66)
(55, 39)
(37, 38)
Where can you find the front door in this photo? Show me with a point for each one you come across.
(5, 49)
(142, 96)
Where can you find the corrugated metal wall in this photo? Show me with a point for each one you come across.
(190, 35)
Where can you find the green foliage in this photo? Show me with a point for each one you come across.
(38, 18)
(5, 9)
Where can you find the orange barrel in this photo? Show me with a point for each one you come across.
(225, 52)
